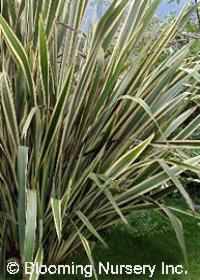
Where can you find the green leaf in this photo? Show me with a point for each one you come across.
(185, 165)
(11, 6)
(8, 104)
(176, 225)
(38, 261)
(152, 182)
(188, 130)
(54, 8)
(178, 144)
(87, 223)
(177, 183)
(27, 123)
(123, 163)
(56, 208)
(22, 179)
(178, 228)
(19, 53)
(88, 252)
(56, 116)
(104, 188)
(31, 222)
(44, 61)
(115, 206)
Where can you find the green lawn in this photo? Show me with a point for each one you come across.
(149, 241)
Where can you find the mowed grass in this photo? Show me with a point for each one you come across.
(150, 240)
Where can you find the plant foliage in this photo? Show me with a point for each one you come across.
(88, 127)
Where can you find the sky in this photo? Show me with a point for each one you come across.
(166, 8)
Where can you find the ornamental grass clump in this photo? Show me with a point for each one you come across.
(88, 124)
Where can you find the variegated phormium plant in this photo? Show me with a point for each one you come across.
(88, 124)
